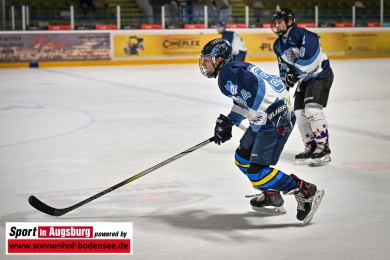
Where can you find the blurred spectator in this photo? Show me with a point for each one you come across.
(238, 46)
(222, 7)
(174, 9)
(86, 5)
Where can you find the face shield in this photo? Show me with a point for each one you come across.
(213, 55)
(208, 66)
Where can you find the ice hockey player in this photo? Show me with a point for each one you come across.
(238, 45)
(263, 100)
(302, 60)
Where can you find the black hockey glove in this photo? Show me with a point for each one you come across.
(291, 78)
(223, 129)
(281, 117)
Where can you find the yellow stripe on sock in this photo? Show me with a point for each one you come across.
(266, 179)
(242, 165)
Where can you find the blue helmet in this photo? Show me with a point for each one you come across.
(221, 24)
(219, 47)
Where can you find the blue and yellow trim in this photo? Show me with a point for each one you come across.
(271, 178)
(242, 164)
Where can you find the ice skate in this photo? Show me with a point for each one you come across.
(268, 202)
(308, 198)
(321, 154)
(304, 158)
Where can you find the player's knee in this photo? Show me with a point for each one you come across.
(300, 115)
(256, 168)
(314, 112)
(241, 159)
(243, 153)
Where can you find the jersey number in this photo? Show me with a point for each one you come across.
(273, 82)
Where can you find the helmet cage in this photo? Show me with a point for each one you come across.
(204, 71)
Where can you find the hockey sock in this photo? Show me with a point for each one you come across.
(241, 159)
(267, 178)
(304, 127)
(318, 123)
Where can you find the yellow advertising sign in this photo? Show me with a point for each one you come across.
(259, 45)
(127, 46)
(335, 43)
(347, 43)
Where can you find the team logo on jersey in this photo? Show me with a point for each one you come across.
(245, 94)
(231, 88)
(291, 55)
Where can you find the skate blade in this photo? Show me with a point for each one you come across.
(271, 210)
(316, 202)
(321, 161)
(303, 161)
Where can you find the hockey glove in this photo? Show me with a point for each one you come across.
(291, 78)
(281, 117)
(223, 129)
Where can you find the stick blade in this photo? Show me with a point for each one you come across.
(39, 205)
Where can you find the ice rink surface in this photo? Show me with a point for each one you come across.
(68, 133)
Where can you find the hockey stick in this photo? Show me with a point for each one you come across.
(39, 205)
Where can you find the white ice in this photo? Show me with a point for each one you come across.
(68, 133)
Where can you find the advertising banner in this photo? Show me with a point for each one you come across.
(349, 43)
(259, 44)
(54, 47)
(333, 43)
(188, 45)
(37, 238)
(138, 45)
(130, 46)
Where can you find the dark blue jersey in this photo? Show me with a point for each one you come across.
(302, 51)
(252, 91)
(235, 40)
(228, 35)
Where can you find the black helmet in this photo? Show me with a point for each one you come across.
(287, 15)
(214, 49)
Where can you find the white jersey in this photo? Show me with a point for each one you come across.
(235, 40)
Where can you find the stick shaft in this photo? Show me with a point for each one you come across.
(39, 205)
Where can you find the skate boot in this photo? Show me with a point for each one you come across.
(308, 199)
(321, 154)
(305, 157)
(268, 202)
